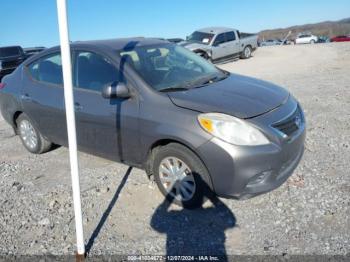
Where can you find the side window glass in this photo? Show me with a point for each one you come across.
(230, 36)
(47, 69)
(219, 39)
(132, 58)
(93, 71)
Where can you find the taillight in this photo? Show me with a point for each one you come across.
(2, 85)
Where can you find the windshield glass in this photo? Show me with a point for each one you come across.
(204, 38)
(169, 66)
(9, 51)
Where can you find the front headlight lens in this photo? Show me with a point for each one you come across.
(231, 129)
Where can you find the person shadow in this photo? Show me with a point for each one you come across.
(194, 232)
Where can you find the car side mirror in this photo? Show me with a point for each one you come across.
(116, 90)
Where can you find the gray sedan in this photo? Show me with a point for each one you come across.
(155, 105)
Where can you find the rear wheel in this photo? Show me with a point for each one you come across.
(180, 175)
(247, 52)
(31, 138)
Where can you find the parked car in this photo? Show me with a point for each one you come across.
(10, 58)
(322, 39)
(218, 44)
(155, 105)
(306, 39)
(271, 42)
(341, 38)
(29, 51)
(175, 40)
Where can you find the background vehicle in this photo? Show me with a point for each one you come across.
(155, 105)
(323, 39)
(341, 38)
(306, 39)
(29, 51)
(270, 42)
(218, 44)
(10, 58)
(175, 40)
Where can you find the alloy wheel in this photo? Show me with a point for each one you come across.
(28, 134)
(177, 178)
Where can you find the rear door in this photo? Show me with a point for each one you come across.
(105, 127)
(42, 96)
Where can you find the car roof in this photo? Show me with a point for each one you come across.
(215, 30)
(121, 43)
(110, 45)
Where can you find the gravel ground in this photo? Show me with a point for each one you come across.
(125, 214)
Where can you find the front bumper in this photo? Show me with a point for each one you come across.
(245, 171)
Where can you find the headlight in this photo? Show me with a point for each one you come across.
(231, 129)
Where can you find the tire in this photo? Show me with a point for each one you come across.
(30, 136)
(195, 176)
(247, 52)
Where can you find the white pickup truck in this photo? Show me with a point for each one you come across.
(219, 44)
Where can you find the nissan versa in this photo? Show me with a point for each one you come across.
(156, 105)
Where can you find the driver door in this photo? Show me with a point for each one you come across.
(220, 47)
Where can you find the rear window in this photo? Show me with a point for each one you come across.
(47, 69)
(10, 51)
(230, 36)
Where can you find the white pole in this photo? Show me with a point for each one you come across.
(69, 102)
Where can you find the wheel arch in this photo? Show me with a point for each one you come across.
(163, 142)
(202, 51)
(14, 120)
(15, 117)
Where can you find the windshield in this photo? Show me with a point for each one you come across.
(171, 67)
(204, 38)
(9, 51)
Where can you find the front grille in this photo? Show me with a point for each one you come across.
(291, 124)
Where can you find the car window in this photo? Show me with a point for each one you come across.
(131, 57)
(230, 36)
(219, 39)
(93, 71)
(200, 37)
(47, 69)
(169, 66)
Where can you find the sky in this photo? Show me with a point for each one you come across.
(34, 22)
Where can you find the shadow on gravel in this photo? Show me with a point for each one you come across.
(107, 212)
(194, 232)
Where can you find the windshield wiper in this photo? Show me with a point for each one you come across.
(172, 89)
(211, 80)
(197, 83)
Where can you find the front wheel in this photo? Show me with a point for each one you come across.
(247, 52)
(181, 176)
(31, 138)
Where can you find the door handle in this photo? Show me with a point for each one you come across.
(78, 106)
(26, 97)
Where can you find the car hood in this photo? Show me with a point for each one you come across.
(239, 96)
(193, 45)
